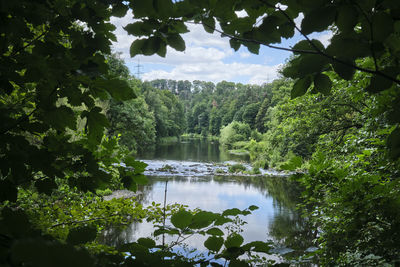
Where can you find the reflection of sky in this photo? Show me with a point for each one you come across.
(210, 195)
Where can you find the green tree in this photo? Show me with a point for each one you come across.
(250, 113)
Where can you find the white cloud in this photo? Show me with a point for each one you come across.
(218, 71)
(244, 54)
(325, 38)
(207, 57)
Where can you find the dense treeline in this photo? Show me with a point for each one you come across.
(337, 138)
(211, 106)
(152, 115)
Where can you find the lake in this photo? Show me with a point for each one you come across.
(190, 179)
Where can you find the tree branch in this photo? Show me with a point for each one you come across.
(316, 50)
(29, 44)
(83, 221)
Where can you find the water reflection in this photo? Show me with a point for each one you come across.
(198, 149)
(276, 219)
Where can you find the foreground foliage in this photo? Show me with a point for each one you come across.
(55, 79)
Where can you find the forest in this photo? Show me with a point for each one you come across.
(73, 119)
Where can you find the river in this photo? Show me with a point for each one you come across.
(188, 169)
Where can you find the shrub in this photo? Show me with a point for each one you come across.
(235, 132)
(236, 168)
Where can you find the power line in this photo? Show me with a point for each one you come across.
(138, 70)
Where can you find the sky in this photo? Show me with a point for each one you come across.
(208, 57)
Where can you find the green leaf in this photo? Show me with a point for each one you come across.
(300, 87)
(45, 186)
(286, 30)
(136, 46)
(141, 179)
(96, 122)
(202, 219)
(38, 252)
(179, 27)
(348, 48)
(318, 19)
(15, 222)
(164, 8)
(162, 51)
(81, 235)
(231, 212)
(118, 89)
(209, 24)
(322, 83)
(8, 191)
(382, 26)
(142, 8)
(129, 183)
(305, 45)
(344, 71)
(257, 246)
(119, 10)
(214, 243)
(235, 44)
(252, 47)
(393, 143)
(60, 118)
(346, 18)
(378, 84)
(176, 42)
(215, 231)
(293, 163)
(181, 219)
(152, 46)
(253, 207)
(238, 263)
(146, 242)
(138, 166)
(234, 240)
(140, 28)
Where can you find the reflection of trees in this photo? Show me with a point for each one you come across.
(116, 236)
(289, 228)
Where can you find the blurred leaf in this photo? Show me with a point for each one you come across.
(393, 143)
(214, 243)
(231, 212)
(8, 191)
(382, 26)
(215, 231)
(202, 219)
(209, 24)
(322, 83)
(318, 19)
(238, 263)
(176, 42)
(233, 240)
(146, 242)
(141, 179)
(181, 219)
(253, 207)
(346, 18)
(300, 87)
(81, 235)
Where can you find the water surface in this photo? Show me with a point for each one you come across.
(195, 185)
